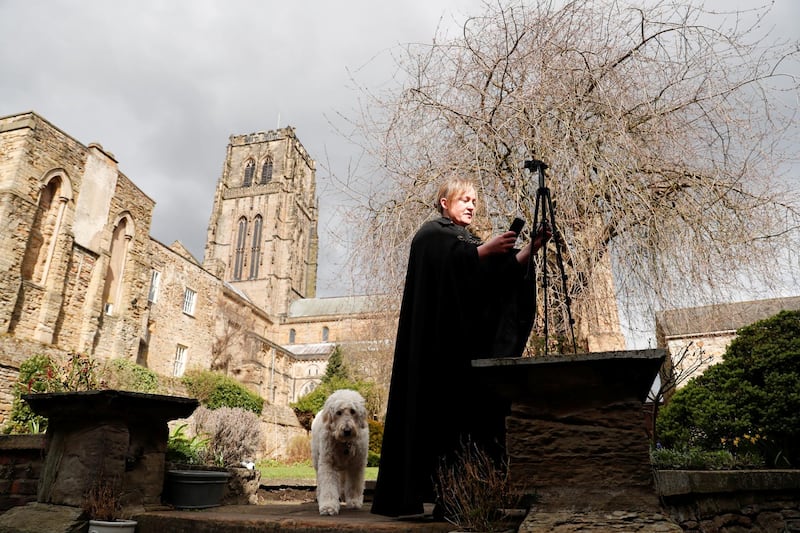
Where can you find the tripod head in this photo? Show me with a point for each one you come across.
(535, 165)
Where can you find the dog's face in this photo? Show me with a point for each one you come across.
(345, 415)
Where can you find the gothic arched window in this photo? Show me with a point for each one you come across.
(44, 232)
(266, 171)
(255, 251)
(249, 170)
(120, 241)
(241, 240)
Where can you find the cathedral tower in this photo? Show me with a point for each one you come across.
(262, 235)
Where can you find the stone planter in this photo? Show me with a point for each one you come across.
(575, 434)
(195, 489)
(116, 434)
(115, 526)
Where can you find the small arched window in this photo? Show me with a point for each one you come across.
(120, 242)
(249, 170)
(307, 388)
(241, 240)
(325, 333)
(292, 336)
(266, 171)
(255, 250)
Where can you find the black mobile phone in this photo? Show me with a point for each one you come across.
(517, 225)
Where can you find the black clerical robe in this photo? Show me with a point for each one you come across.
(455, 308)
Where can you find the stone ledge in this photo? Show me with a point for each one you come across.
(22, 442)
(679, 482)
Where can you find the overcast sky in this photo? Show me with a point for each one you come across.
(163, 84)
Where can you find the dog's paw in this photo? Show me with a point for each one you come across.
(355, 504)
(328, 510)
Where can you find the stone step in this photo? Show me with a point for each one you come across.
(297, 517)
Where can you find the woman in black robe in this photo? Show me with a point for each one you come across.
(463, 299)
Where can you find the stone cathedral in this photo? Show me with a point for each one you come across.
(262, 236)
(79, 271)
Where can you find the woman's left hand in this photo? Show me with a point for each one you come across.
(498, 244)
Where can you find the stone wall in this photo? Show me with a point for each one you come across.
(13, 351)
(759, 501)
(340, 328)
(64, 201)
(21, 461)
(280, 427)
(119, 330)
(33, 154)
(167, 325)
(703, 351)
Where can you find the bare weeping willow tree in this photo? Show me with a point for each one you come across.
(664, 128)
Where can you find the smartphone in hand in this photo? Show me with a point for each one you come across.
(517, 225)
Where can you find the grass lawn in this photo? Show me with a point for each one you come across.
(303, 471)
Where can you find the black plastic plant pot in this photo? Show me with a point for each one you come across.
(195, 489)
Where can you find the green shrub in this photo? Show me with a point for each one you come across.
(75, 372)
(750, 403)
(215, 390)
(314, 400)
(184, 449)
(232, 394)
(22, 419)
(373, 459)
(43, 373)
(124, 374)
(698, 459)
(375, 436)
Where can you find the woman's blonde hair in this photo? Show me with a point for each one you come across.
(451, 189)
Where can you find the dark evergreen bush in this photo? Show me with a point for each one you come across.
(749, 403)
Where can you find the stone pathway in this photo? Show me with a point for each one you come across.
(599, 521)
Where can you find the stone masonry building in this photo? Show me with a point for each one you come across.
(702, 334)
(79, 271)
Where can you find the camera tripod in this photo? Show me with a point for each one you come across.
(544, 214)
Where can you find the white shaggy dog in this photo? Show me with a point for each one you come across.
(339, 444)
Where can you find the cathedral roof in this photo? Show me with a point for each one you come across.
(721, 317)
(317, 350)
(341, 305)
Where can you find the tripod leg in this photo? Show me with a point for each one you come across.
(545, 192)
(559, 242)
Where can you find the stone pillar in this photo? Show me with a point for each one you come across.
(575, 436)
